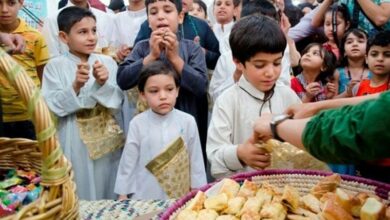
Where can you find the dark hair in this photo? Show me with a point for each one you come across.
(156, 68)
(202, 5)
(69, 16)
(254, 34)
(358, 33)
(329, 64)
(259, 7)
(177, 3)
(381, 39)
(116, 5)
(294, 14)
(342, 11)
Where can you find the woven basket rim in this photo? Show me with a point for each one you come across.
(384, 187)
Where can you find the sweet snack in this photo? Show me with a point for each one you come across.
(264, 201)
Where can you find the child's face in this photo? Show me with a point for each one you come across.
(341, 26)
(223, 11)
(163, 14)
(9, 11)
(312, 59)
(378, 60)
(82, 37)
(160, 93)
(197, 11)
(354, 46)
(262, 70)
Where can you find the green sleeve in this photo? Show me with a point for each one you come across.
(351, 133)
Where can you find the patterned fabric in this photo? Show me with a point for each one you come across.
(172, 169)
(99, 131)
(364, 23)
(127, 209)
(36, 54)
(298, 84)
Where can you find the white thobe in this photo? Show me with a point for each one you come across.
(148, 134)
(94, 178)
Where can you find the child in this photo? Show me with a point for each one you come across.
(334, 26)
(159, 87)
(224, 12)
(199, 10)
(76, 85)
(378, 61)
(353, 67)
(316, 82)
(257, 44)
(127, 24)
(17, 122)
(104, 30)
(185, 56)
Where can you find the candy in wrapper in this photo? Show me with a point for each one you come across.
(18, 189)
(10, 182)
(14, 198)
(287, 156)
(30, 175)
(4, 210)
(32, 195)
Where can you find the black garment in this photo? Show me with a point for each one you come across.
(19, 129)
(191, 27)
(62, 3)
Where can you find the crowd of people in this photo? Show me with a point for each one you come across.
(124, 82)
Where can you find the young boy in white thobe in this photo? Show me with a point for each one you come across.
(81, 81)
(152, 130)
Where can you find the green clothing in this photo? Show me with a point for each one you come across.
(351, 133)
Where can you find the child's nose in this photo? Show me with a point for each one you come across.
(163, 95)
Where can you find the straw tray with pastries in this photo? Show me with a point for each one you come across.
(284, 196)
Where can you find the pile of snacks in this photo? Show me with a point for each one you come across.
(17, 188)
(250, 201)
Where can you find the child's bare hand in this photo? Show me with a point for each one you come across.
(122, 52)
(82, 76)
(350, 86)
(312, 89)
(253, 156)
(171, 45)
(156, 43)
(331, 90)
(284, 23)
(100, 73)
(197, 41)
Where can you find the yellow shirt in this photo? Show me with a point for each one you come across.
(36, 54)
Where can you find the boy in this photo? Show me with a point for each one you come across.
(224, 12)
(80, 87)
(378, 61)
(104, 28)
(16, 119)
(159, 87)
(257, 46)
(186, 58)
(127, 25)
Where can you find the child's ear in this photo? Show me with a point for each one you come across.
(239, 65)
(178, 90)
(142, 96)
(181, 17)
(347, 25)
(63, 37)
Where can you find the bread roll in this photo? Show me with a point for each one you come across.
(229, 187)
(290, 197)
(207, 214)
(234, 206)
(327, 184)
(187, 214)
(332, 211)
(372, 209)
(218, 202)
(248, 189)
(311, 203)
(196, 203)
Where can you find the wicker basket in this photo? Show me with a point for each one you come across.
(58, 198)
(302, 180)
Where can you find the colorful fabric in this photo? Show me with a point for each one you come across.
(366, 89)
(36, 54)
(364, 23)
(298, 84)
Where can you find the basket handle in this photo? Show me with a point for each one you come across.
(54, 165)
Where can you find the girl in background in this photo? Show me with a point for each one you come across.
(316, 82)
(353, 68)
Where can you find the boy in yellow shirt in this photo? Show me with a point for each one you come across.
(16, 119)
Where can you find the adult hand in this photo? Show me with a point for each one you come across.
(304, 110)
(82, 76)
(256, 157)
(15, 43)
(100, 73)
